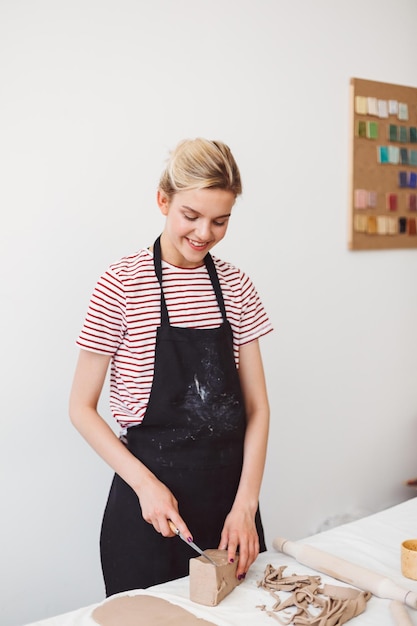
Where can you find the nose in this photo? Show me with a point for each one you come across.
(203, 230)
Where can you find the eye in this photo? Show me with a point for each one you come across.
(190, 218)
(219, 223)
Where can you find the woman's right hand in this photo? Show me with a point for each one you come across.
(159, 505)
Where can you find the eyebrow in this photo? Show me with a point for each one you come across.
(184, 206)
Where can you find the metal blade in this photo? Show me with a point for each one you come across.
(199, 550)
(190, 543)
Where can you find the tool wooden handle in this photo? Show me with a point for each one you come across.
(338, 568)
(173, 527)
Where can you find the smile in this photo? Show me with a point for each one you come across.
(197, 244)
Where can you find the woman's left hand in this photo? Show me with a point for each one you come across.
(239, 535)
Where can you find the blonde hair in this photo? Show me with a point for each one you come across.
(200, 164)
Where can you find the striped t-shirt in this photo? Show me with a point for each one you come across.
(124, 314)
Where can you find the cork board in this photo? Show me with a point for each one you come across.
(383, 193)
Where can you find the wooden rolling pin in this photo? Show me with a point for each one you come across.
(399, 614)
(338, 568)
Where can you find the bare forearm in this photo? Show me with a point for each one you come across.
(240, 531)
(257, 425)
(108, 446)
(254, 455)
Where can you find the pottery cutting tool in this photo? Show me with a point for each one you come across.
(189, 543)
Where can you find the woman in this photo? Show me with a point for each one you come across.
(180, 330)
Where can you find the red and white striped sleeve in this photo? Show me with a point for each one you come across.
(254, 319)
(105, 322)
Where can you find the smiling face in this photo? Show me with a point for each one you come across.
(196, 219)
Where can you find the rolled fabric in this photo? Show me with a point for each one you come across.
(347, 572)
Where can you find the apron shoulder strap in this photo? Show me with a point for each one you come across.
(216, 284)
(158, 271)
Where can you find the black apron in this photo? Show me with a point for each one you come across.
(191, 438)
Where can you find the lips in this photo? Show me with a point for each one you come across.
(197, 245)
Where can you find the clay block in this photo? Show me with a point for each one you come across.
(209, 583)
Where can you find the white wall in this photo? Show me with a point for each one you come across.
(93, 93)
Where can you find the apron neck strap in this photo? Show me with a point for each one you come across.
(158, 272)
(216, 283)
(209, 263)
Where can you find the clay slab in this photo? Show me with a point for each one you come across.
(143, 610)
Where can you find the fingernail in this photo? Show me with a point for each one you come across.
(231, 561)
(240, 577)
(189, 539)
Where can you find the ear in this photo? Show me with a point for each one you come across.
(163, 202)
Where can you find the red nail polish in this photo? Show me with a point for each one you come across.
(231, 561)
(189, 539)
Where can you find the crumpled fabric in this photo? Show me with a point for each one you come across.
(311, 604)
